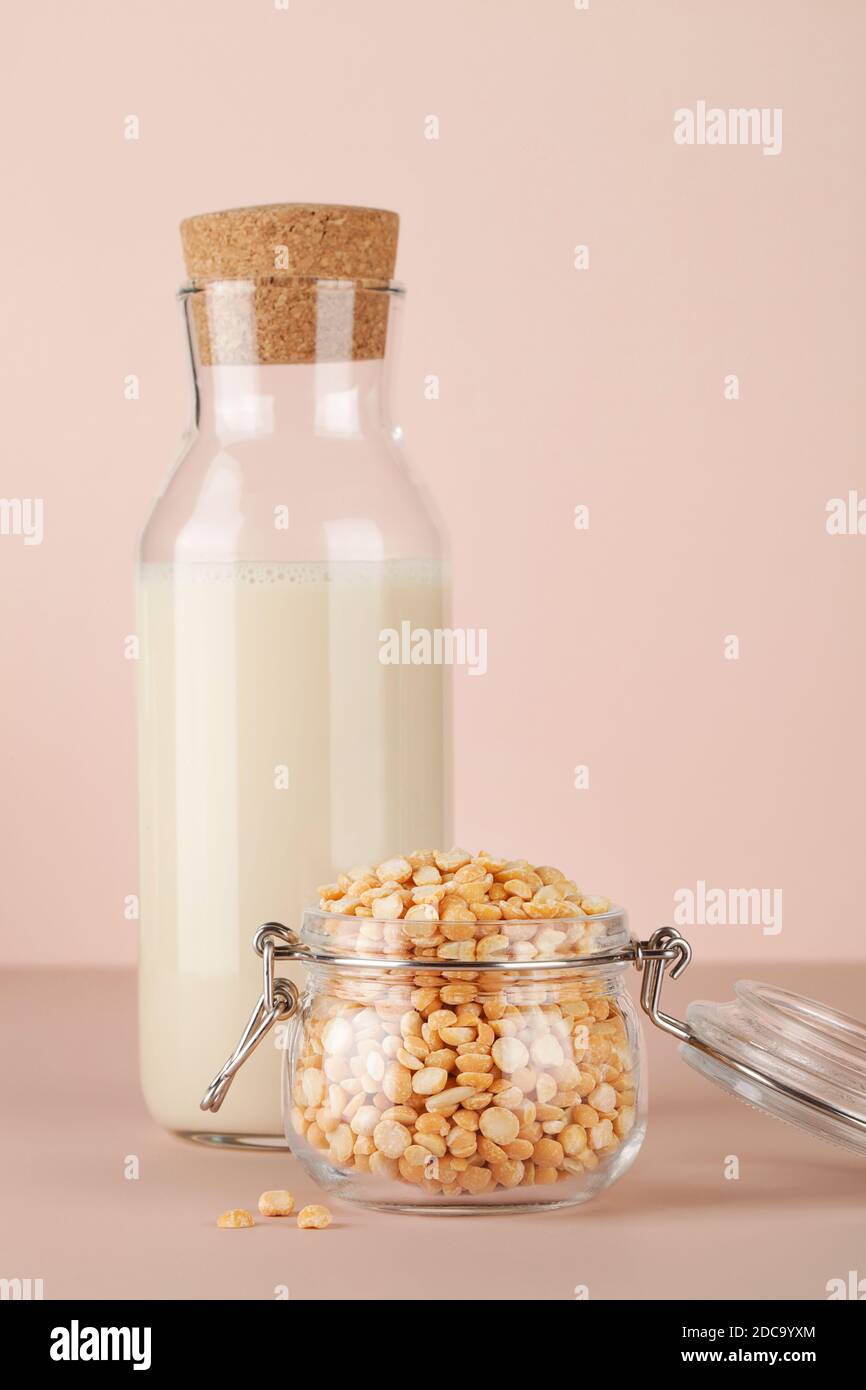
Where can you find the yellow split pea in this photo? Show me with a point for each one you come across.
(235, 1220)
(314, 1218)
(277, 1202)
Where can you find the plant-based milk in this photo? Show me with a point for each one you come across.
(275, 747)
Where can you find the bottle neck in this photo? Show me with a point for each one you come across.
(324, 400)
(290, 356)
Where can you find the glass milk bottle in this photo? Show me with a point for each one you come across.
(275, 744)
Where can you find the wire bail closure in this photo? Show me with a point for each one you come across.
(279, 997)
(665, 948)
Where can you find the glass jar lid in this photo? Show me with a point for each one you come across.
(786, 1055)
(789, 1056)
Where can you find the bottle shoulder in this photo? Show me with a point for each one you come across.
(271, 498)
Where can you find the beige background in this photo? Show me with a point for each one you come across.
(558, 387)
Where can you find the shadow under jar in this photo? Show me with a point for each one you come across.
(450, 1086)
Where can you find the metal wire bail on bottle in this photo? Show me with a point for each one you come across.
(278, 999)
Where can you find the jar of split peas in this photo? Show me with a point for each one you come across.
(460, 1049)
(505, 1084)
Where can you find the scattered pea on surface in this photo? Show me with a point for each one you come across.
(314, 1218)
(278, 1202)
(235, 1220)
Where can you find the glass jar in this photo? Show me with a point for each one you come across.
(513, 1084)
(501, 1086)
(275, 743)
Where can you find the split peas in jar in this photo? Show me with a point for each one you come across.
(461, 1084)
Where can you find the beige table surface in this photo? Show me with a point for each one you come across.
(673, 1228)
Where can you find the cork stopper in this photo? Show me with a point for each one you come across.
(257, 273)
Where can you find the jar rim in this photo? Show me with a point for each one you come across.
(606, 940)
